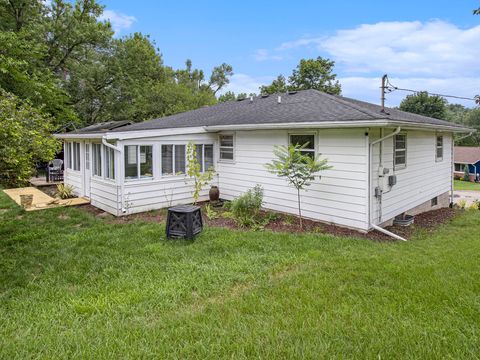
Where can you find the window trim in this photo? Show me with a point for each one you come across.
(76, 160)
(315, 141)
(139, 176)
(105, 170)
(437, 158)
(233, 135)
(87, 156)
(395, 165)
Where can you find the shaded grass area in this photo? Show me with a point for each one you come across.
(466, 185)
(73, 285)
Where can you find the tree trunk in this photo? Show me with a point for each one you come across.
(299, 209)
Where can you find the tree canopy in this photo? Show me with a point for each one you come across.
(424, 104)
(309, 74)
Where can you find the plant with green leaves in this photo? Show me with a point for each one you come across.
(299, 169)
(64, 191)
(194, 171)
(246, 208)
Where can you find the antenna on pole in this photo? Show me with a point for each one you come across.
(383, 90)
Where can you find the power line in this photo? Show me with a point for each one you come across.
(390, 88)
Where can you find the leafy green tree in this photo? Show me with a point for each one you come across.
(228, 96)
(299, 169)
(424, 104)
(466, 173)
(315, 74)
(309, 74)
(25, 138)
(200, 179)
(220, 77)
(472, 120)
(279, 85)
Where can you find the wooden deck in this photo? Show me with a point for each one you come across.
(42, 181)
(42, 200)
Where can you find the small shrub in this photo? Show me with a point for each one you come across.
(462, 203)
(466, 173)
(473, 206)
(64, 191)
(246, 207)
(211, 214)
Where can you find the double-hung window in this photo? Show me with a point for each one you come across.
(138, 161)
(68, 155)
(97, 159)
(459, 167)
(76, 156)
(439, 148)
(173, 159)
(226, 147)
(307, 141)
(400, 151)
(109, 156)
(204, 156)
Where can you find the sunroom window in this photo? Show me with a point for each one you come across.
(306, 140)
(76, 156)
(138, 161)
(68, 155)
(173, 159)
(109, 163)
(226, 147)
(400, 151)
(97, 159)
(204, 156)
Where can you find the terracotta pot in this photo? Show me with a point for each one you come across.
(26, 200)
(214, 194)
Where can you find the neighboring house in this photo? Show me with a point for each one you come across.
(384, 162)
(467, 156)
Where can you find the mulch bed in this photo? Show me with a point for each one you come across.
(280, 222)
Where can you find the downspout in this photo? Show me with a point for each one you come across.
(370, 158)
(122, 182)
(452, 189)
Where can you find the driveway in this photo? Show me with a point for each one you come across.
(470, 196)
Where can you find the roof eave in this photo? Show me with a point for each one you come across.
(85, 135)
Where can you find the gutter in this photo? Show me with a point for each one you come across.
(370, 162)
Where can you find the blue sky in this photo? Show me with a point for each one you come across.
(424, 45)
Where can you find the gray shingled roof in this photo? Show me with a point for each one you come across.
(299, 107)
(102, 127)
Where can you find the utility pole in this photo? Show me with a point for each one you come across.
(382, 88)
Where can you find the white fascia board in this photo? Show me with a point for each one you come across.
(124, 135)
(341, 124)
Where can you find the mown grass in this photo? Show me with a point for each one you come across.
(466, 185)
(74, 286)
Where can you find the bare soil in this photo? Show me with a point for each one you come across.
(280, 222)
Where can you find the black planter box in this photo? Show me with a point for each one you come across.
(184, 221)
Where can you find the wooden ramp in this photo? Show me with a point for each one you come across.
(42, 200)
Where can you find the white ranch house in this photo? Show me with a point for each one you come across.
(384, 162)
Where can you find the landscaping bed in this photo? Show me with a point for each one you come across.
(286, 223)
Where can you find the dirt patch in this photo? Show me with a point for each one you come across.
(50, 190)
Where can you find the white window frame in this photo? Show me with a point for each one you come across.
(437, 147)
(395, 165)
(67, 155)
(139, 176)
(311, 133)
(94, 160)
(220, 147)
(107, 151)
(174, 170)
(87, 156)
(76, 163)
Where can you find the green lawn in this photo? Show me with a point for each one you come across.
(466, 185)
(74, 286)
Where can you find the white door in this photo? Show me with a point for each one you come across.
(87, 172)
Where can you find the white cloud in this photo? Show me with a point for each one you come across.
(242, 83)
(264, 54)
(118, 20)
(434, 48)
(368, 88)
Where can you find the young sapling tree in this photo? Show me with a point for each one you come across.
(194, 171)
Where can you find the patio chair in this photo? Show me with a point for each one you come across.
(54, 170)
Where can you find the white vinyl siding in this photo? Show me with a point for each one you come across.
(422, 179)
(340, 195)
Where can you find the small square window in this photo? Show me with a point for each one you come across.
(306, 140)
(434, 201)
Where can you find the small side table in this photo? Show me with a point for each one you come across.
(184, 221)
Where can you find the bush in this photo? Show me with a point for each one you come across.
(245, 208)
(64, 191)
(466, 173)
